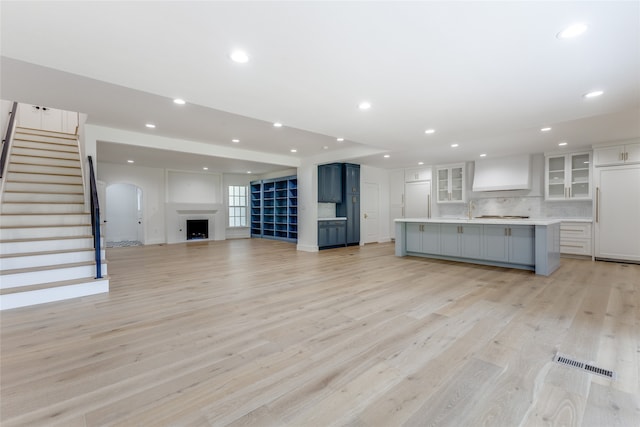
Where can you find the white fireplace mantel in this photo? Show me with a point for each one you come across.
(177, 214)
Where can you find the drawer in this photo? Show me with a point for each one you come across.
(575, 246)
(575, 230)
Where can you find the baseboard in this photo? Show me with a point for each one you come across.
(307, 248)
(25, 299)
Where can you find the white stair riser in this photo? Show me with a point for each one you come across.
(48, 276)
(28, 208)
(43, 153)
(43, 178)
(44, 169)
(43, 197)
(52, 220)
(43, 232)
(7, 248)
(30, 133)
(44, 188)
(45, 161)
(30, 261)
(45, 145)
(41, 296)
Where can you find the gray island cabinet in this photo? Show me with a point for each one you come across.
(524, 244)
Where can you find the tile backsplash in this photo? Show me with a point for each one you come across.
(533, 207)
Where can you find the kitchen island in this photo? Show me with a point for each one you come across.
(514, 243)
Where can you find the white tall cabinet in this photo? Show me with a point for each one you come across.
(617, 207)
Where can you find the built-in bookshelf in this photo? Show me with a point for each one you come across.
(274, 208)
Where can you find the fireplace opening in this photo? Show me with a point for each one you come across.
(197, 229)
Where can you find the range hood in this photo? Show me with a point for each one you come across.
(505, 173)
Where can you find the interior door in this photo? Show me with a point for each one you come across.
(417, 199)
(371, 201)
(122, 215)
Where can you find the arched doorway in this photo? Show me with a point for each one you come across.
(124, 215)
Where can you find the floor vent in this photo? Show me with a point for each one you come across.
(564, 360)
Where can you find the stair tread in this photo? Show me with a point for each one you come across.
(50, 285)
(13, 227)
(19, 129)
(44, 213)
(43, 192)
(40, 239)
(42, 203)
(13, 162)
(45, 173)
(41, 182)
(61, 251)
(48, 267)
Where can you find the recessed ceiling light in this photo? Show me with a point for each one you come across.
(179, 101)
(454, 145)
(239, 56)
(205, 168)
(593, 94)
(547, 129)
(339, 139)
(130, 161)
(483, 155)
(429, 131)
(293, 150)
(386, 156)
(326, 147)
(562, 144)
(150, 125)
(235, 141)
(572, 31)
(277, 125)
(421, 163)
(364, 105)
(248, 171)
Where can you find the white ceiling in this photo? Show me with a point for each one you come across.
(485, 75)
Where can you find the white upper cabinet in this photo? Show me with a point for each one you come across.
(568, 176)
(411, 175)
(617, 155)
(451, 183)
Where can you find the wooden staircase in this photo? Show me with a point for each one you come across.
(46, 244)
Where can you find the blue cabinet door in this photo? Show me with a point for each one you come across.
(471, 241)
(496, 243)
(414, 237)
(522, 244)
(450, 239)
(431, 238)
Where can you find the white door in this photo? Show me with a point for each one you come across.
(122, 213)
(417, 199)
(371, 201)
(617, 231)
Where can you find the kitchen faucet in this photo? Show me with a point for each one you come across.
(471, 207)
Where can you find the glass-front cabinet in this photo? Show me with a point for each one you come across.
(568, 176)
(450, 182)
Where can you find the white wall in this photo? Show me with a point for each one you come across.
(194, 187)
(308, 207)
(152, 183)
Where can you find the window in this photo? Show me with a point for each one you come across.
(237, 206)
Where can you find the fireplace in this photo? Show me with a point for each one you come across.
(197, 229)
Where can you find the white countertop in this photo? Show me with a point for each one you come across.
(335, 218)
(543, 221)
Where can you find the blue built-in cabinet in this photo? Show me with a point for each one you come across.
(274, 208)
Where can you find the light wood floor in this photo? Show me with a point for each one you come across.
(251, 332)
